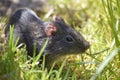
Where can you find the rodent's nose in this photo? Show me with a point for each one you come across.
(87, 45)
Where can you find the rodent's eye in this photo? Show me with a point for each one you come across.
(69, 38)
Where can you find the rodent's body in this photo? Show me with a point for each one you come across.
(30, 29)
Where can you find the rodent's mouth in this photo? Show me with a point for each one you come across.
(83, 51)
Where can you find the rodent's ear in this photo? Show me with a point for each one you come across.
(58, 19)
(50, 28)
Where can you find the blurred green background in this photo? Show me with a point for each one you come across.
(97, 20)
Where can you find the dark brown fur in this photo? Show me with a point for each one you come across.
(31, 29)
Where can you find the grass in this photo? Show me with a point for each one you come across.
(98, 21)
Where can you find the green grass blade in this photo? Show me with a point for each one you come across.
(39, 55)
(61, 68)
(104, 63)
(67, 73)
(41, 51)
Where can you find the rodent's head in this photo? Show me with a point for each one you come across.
(63, 39)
